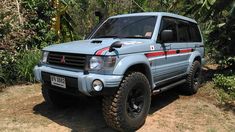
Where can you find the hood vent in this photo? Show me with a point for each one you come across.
(96, 41)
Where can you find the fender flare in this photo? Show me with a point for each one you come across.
(192, 58)
(132, 60)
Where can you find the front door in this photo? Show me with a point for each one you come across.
(174, 62)
(163, 63)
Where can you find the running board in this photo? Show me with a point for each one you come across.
(162, 89)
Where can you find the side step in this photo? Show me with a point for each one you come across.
(162, 89)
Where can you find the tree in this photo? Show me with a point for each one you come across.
(218, 17)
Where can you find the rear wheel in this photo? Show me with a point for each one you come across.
(193, 79)
(128, 108)
(57, 99)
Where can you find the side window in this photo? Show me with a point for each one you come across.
(183, 31)
(168, 24)
(195, 33)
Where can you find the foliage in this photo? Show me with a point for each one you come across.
(39, 13)
(8, 67)
(227, 62)
(26, 64)
(218, 18)
(18, 66)
(226, 83)
(5, 25)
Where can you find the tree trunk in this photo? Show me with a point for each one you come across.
(18, 11)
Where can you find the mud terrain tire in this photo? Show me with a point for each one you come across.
(128, 108)
(193, 79)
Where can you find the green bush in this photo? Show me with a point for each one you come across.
(8, 66)
(226, 83)
(26, 63)
(227, 62)
(2, 79)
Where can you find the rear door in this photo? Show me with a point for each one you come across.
(196, 39)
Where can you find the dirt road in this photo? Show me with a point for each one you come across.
(22, 108)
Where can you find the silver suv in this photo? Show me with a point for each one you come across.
(126, 59)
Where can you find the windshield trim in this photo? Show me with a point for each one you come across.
(92, 35)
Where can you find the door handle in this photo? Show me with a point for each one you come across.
(177, 51)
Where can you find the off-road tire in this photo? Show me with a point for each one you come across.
(191, 87)
(115, 107)
(57, 99)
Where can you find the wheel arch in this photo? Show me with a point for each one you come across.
(137, 63)
(198, 58)
(143, 68)
(195, 56)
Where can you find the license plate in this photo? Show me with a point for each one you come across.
(58, 81)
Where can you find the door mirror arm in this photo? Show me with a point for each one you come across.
(114, 45)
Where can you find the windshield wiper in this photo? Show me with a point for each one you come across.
(140, 37)
(107, 36)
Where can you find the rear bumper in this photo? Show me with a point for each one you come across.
(78, 80)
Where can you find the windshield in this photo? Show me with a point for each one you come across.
(127, 27)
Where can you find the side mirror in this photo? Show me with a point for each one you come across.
(166, 36)
(114, 45)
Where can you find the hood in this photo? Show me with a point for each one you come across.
(94, 45)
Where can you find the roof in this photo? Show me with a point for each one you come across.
(156, 14)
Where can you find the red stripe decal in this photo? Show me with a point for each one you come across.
(153, 54)
(101, 51)
(185, 50)
(169, 52)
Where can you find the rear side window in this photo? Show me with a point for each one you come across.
(183, 31)
(195, 33)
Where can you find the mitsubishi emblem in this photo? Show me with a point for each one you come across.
(62, 59)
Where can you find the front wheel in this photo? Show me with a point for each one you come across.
(128, 108)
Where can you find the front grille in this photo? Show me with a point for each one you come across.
(67, 59)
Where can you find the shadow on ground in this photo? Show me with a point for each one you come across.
(227, 107)
(87, 114)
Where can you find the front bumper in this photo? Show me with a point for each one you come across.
(84, 81)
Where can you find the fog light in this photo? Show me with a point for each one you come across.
(97, 85)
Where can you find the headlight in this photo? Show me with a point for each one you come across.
(101, 62)
(96, 62)
(44, 56)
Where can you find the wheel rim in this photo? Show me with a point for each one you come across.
(196, 78)
(135, 102)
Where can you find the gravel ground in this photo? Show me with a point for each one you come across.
(22, 108)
